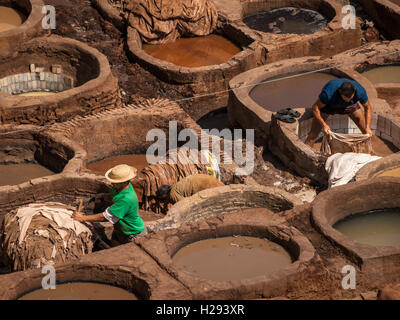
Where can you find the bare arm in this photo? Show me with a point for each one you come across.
(368, 117)
(317, 114)
(79, 216)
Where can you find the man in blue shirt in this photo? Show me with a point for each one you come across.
(340, 96)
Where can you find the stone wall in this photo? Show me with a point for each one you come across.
(386, 14)
(35, 82)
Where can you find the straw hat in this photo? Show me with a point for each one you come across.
(121, 173)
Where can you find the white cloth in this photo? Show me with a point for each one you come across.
(342, 167)
(110, 217)
(54, 211)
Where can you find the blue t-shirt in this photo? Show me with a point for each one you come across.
(330, 96)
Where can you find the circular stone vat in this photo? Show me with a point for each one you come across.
(246, 237)
(330, 207)
(217, 119)
(386, 167)
(296, 83)
(287, 20)
(26, 154)
(218, 201)
(232, 258)
(20, 21)
(290, 90)
(80, 291)
(79, 74)
(383, 74)
(217, 58)
(195, 52)
(293, 28)
(10, 18)
(375, 228)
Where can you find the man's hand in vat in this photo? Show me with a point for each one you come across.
(78, 216)
(369, 132)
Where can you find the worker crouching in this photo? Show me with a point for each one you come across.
(124, 212)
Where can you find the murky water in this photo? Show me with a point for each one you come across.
(287, 20)
(12, 174)
(384, 74)
(232, 258)
(39, 93)
(297, 92)
(390, 173)
(195, 52)
(135, 160)
(10, 18)
(81, 291)
(377, 228)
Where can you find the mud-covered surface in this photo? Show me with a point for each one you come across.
(270, 171)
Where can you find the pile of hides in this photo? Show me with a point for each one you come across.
(342, 143)
(177, 164)
(43, 234)
(163, 21)
(342, 168)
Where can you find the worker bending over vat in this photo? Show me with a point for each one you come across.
(186, 188)
(124, 212)
(340, 96)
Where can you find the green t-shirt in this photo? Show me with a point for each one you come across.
(126, 208)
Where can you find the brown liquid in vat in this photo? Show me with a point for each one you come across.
(10, 18)
(232, 258)
(287, 20)
(12, 174)
(377, 228)
(37, 94)
(135, 160)
(384, 74)
(389, 173)
(298, 92)
(194, 52)
(80, 291)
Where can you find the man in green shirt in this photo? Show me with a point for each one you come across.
(124, 212)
